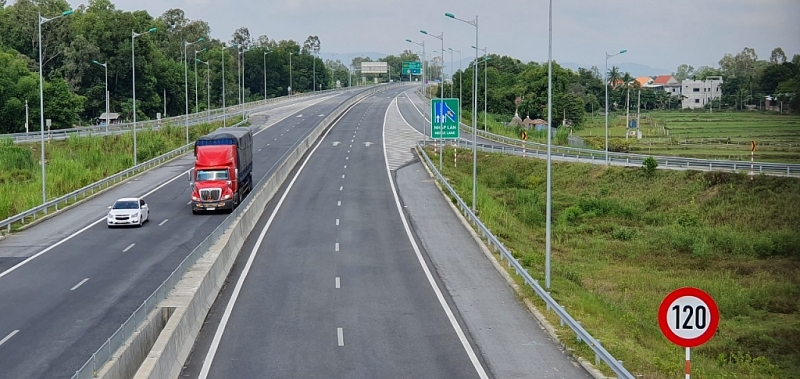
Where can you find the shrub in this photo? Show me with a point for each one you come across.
(649, 166)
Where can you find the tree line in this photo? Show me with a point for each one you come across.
(75, 46)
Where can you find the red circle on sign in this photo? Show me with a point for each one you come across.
(666, 307)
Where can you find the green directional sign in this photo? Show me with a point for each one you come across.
(445, 114)
(414, 68)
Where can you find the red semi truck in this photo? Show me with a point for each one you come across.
(223, 169)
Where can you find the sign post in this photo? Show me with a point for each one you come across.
(752, 151)
(524, 137)
(688, 317)
(445, 113)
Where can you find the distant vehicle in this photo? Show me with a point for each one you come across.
(223, 169)
(128, 211)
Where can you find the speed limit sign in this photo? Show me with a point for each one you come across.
(688, 317)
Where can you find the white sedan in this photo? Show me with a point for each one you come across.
(128, 211)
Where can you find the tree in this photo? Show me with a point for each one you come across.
(311, 45)
(683, 72)
(242, 38)
(777, 56)
(613, 76)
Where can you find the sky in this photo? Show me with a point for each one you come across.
(659, 34)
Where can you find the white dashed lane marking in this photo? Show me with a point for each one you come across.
(79, 284)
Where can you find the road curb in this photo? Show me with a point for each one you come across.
(540, 318)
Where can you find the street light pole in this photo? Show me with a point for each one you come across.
(133, 72)
(451, 73)
(422, 61)
(105, 65)
(605, 79)
(549, 226)
(196, 102)
(460, 76)
(314, 72)
(43, 20)
(186, 82)
(265, 73)
(208, 87)
(242, 53)
(485, 83)
(222, 54)
(290, 73)
(474, 115)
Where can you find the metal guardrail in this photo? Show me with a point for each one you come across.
(124, 332)
(215, 114)
(90, 189)
(494, 243)
(632, 159)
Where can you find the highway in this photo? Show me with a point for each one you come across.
(332, 283)
(68, 283)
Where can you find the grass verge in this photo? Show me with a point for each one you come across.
(623, 239)
(79, 161)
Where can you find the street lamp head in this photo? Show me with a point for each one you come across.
(201, 39)
(423, 32)
(95, 62)
(623, 51)
(450, 15)
(67, 12)
(408, 40)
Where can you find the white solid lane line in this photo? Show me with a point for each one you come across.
(163, 222)
(338, 283)
(53, 246)
(476, 363)
(8, 337)
(212, 350)
(340, 335)
(129, 247)
(79, 284)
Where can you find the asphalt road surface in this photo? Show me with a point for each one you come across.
(68, 283)
(332, 283)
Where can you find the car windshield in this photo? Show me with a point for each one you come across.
(212, 175)
(126, 204)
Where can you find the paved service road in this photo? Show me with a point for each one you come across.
(335, 286)
(85, 280)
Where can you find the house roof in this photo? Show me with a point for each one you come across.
(644, 80)
(662, 79)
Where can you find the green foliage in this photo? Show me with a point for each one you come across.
(622, 240)
(79, 161)
(649, 166)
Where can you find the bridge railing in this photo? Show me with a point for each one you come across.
(601, 354)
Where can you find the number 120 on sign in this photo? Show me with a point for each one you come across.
(688, 317)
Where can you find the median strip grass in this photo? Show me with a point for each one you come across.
(623, 239)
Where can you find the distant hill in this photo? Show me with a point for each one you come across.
(635, 69)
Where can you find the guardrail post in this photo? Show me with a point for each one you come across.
(547, 306)
(94, 365)
(578, 335)
(597, 356)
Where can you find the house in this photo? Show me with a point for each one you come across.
(698, 93)
(111, 118)
(644, 81)
(667, 83)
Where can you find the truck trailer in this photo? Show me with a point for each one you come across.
(223, 169)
